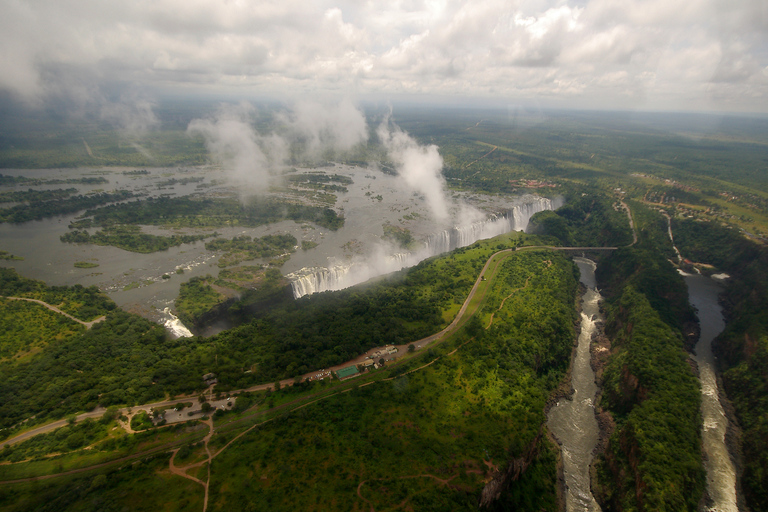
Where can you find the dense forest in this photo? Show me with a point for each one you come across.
(129, 238)
(207, 212)
(56, 204)
(483, 401)
(742, 349)
(452, 424)
(587, 219)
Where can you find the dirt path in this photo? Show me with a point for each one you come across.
(87, 325)
(485, 155)
(527, 281)
(489, 272)
(631, 222)
(444, 481)
(182, 470)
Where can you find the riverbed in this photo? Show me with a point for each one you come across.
(721, 474)
(572, 421)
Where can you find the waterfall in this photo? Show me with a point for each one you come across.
(337, 277)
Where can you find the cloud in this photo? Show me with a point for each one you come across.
(308, 130)
(232, 142)
(419, 166)
(133, 116)
(480, 48)
(323, 126)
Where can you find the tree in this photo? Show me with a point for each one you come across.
(411, 348)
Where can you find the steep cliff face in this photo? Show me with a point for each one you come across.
(514, 470)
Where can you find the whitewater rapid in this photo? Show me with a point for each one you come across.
(311, 280)
(572, 420)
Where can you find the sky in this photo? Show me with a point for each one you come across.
(678, 55)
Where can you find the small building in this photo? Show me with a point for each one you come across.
(345, 373)
(367, 363)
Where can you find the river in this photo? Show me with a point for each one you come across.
(147, 284)
(572, 421)
(721, 473)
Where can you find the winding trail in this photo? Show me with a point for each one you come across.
(631, 223)
(182, 470)
(87, 325)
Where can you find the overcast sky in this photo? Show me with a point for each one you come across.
(625, 54)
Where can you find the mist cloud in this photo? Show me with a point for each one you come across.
(231, 141)
(307, 131)
(419, 166)
(327, 126)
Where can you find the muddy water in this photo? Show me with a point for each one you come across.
(573, 421)
(721, 475)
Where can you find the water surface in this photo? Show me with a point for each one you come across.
(573, 421)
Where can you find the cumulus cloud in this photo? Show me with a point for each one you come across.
(419, 166)
(481, 48)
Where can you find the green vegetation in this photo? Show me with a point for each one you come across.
(208, 212)
(28, 327)
(83, 303)
(7, 181)
(742, 349)
(306, 245)
(63, 440)
(35, 195)
(243, 248)
(85, 264)
(400, 236)
(5, 255)
(320, 181)
(587, 219)
(478, 406)
(197, 298)
(653, 459)
(39, 209)
(129, 238)
(137, 486)
(470, 410)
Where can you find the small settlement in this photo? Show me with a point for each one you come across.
(372, 360)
